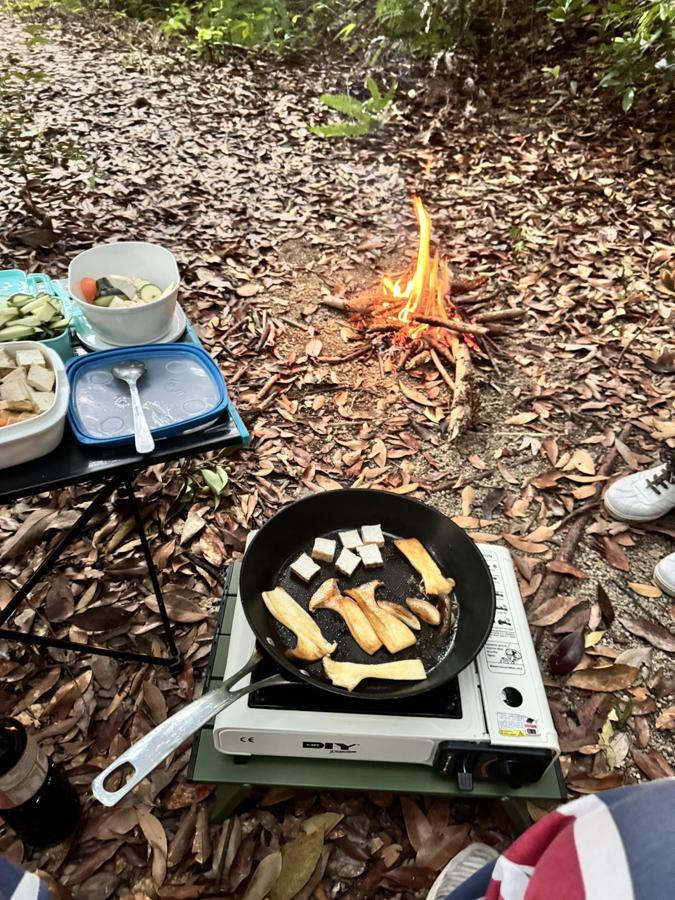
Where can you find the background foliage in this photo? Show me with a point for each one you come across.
(624, 46)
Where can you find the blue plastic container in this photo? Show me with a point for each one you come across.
(15, 281)
(181, 390)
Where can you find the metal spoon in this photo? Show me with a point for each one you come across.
(130, 371)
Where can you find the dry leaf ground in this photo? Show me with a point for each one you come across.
(570, 218)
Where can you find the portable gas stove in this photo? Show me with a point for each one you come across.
(490, 723)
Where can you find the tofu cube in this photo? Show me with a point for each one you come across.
(304, 568)
(15, 390)
(372, 534)
(323, 550)
(350, 539)
(17, 374)
(6, 362)
(370, 555)
(347, 562)
(40, 378)
(29, 358)
(43, 400)
(20, 406)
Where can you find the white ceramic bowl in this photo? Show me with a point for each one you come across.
(136, 324)
(24, 441)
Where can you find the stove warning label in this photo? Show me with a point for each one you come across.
(502, 650)
(516, 725)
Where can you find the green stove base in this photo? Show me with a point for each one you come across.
(209, 765)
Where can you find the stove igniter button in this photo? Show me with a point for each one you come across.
(464, 779)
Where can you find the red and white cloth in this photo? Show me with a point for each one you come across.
(617, 845)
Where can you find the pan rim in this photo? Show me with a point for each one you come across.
(410, 689)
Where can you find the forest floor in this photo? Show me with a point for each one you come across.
(568, 216)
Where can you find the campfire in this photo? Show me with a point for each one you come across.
(416, 318)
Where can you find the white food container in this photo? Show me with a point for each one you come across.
(24, 441)
(142, 324)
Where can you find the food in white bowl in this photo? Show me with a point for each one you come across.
(27, 385)
(120, 272)
(121, 291)
(34, 394)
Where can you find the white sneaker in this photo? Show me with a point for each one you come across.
(643, 496)
(664, 574)
(467, 862)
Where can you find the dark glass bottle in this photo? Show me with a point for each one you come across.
(36, 799)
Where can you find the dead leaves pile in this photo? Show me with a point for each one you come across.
(266, 220)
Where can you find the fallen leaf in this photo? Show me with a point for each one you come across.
(417, 826)
(46, 683)
(567, 653)
(645, 590)
(66, 695)
(181, 605)
(313, 347)
(522, 418)
(155, 701)
(415, 395)
(192, 526)
(666, 720)
(156, 838)
(264, 878)
(523, 545)
(657, 635)
(552, 610)
(653, 764)
(605, 604)
(590, 784)
(248, 290)
(608, 678)
(564, 568)
(100, 618)
(582, 461)
(299, 857)
(468, 496)
(615, 555)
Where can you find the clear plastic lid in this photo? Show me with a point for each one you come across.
(175, 388)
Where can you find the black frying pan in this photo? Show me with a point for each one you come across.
(266, 565)
(291, 531)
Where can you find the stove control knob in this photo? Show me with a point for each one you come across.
(464, 781)
(505, 771)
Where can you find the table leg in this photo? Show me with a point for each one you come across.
(175, 666)
(173, 661)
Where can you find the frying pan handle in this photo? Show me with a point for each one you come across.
(145, 755)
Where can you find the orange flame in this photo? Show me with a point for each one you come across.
(424, 291)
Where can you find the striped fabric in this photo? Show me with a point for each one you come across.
(618, 845)
(15, 884)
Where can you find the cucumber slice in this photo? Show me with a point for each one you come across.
(20, 299)
(33, 321)
(15, 332)
(149, 292)
(105, 299)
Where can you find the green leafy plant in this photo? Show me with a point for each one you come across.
(634, 43)
(217, 480)
(360, 116)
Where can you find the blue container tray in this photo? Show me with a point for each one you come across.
(182, 390)
(15, 281)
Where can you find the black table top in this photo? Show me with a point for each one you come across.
(74, 463)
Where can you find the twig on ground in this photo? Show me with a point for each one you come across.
(499, 315)
(465, 398)
(335, 360)
(452, 325)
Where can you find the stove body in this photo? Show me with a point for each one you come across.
(491, 722)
